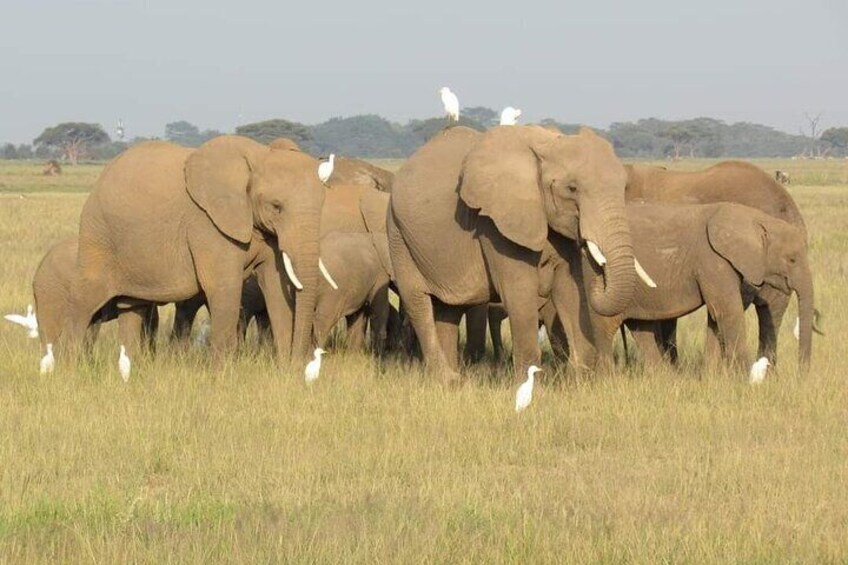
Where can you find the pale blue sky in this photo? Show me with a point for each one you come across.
(219, 63)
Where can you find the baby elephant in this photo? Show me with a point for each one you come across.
(51, 287)
(362, 269)
(720, 255)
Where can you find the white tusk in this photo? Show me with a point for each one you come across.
(643, 275)
(326, 274)
(290, 272)
(595, 251)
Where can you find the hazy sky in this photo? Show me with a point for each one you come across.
(221, 63)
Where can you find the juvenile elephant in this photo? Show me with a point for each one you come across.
(720, 255)
(165, 223)
(469, 220)
(51, 288)
(363, 267)
(729, 181)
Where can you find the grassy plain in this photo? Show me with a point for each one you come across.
(379, 463)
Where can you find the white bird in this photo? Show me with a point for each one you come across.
(314, 367)
(758, 370)
(543, 335)
(525, 391)
(796, 331)
(29, 321)
(47, 362)
(325, 169)
(202, 337)
(124, 364)
(509, 116)
(451, 103)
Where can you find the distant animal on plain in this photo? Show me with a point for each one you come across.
(782, 177)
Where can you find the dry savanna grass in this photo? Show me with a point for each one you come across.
(379, 463)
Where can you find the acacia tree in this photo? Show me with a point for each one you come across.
(72, 139)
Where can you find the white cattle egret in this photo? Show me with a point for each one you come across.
(124, 364)
(29, 321)
(202, 338)
(796, 331)
(758, 370)
(325, 169)
(451, 103)
(47, 362)
(525, 391)
(314, 367)
(509, 116)
(542, 336)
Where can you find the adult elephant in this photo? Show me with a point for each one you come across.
(469, 220)
(165, 223)
(729, 181)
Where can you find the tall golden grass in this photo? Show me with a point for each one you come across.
(379, 463)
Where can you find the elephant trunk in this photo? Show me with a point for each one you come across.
(301, 267)
(804, 290)
(611, 245)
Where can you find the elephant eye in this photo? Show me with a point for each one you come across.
(792, 260)
(277, 205)
(572, 187)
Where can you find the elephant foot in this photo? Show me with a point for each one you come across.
(450, 377)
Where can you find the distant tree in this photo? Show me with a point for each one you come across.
(71, 139)
(837, 138)
(24, 151)
(813, 133)
(486, 117)
(681, 136)
(9, 151)
(187, 134)
(269, 130)
(363, 136)
(569, 129)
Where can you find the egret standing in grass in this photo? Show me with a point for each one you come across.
(47, 362)
(124, 364)
(758, 370)
(451, 104)
(313, 368)
(29, 322)
(509, 116)
(525, 391)
(202, 338)
(325, 169)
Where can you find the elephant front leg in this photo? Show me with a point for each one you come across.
(280, 307)
(771, 305)
(379, 310)
(447, 328)
(729, 316)
(357, 325)
(647, 335)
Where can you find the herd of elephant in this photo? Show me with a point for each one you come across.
(518, 222)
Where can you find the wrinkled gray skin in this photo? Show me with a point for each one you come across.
(469, 221)
(729, 181)
(721, 255)
(166, 223)
(51, 287)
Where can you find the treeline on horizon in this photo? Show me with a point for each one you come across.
(372, 136)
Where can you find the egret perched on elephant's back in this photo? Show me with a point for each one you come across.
(325, 169)
(451, 104)
(509, 116)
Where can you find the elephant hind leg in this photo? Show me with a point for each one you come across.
(357, 323)
(417, 302)
(88, 295)
(475, 333)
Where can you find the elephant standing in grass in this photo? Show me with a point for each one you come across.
(165, 223)
(729, 181)
(469, 219)
(721, 255)
(362, 265)
(51, 287)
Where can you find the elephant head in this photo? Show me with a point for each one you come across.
(767, 250)
(528, 178)
(243, 185)
(348, 170)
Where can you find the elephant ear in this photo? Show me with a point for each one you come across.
(217, 178)
(500, 177)
(381, 244)
(741, 239)
(374, 206)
